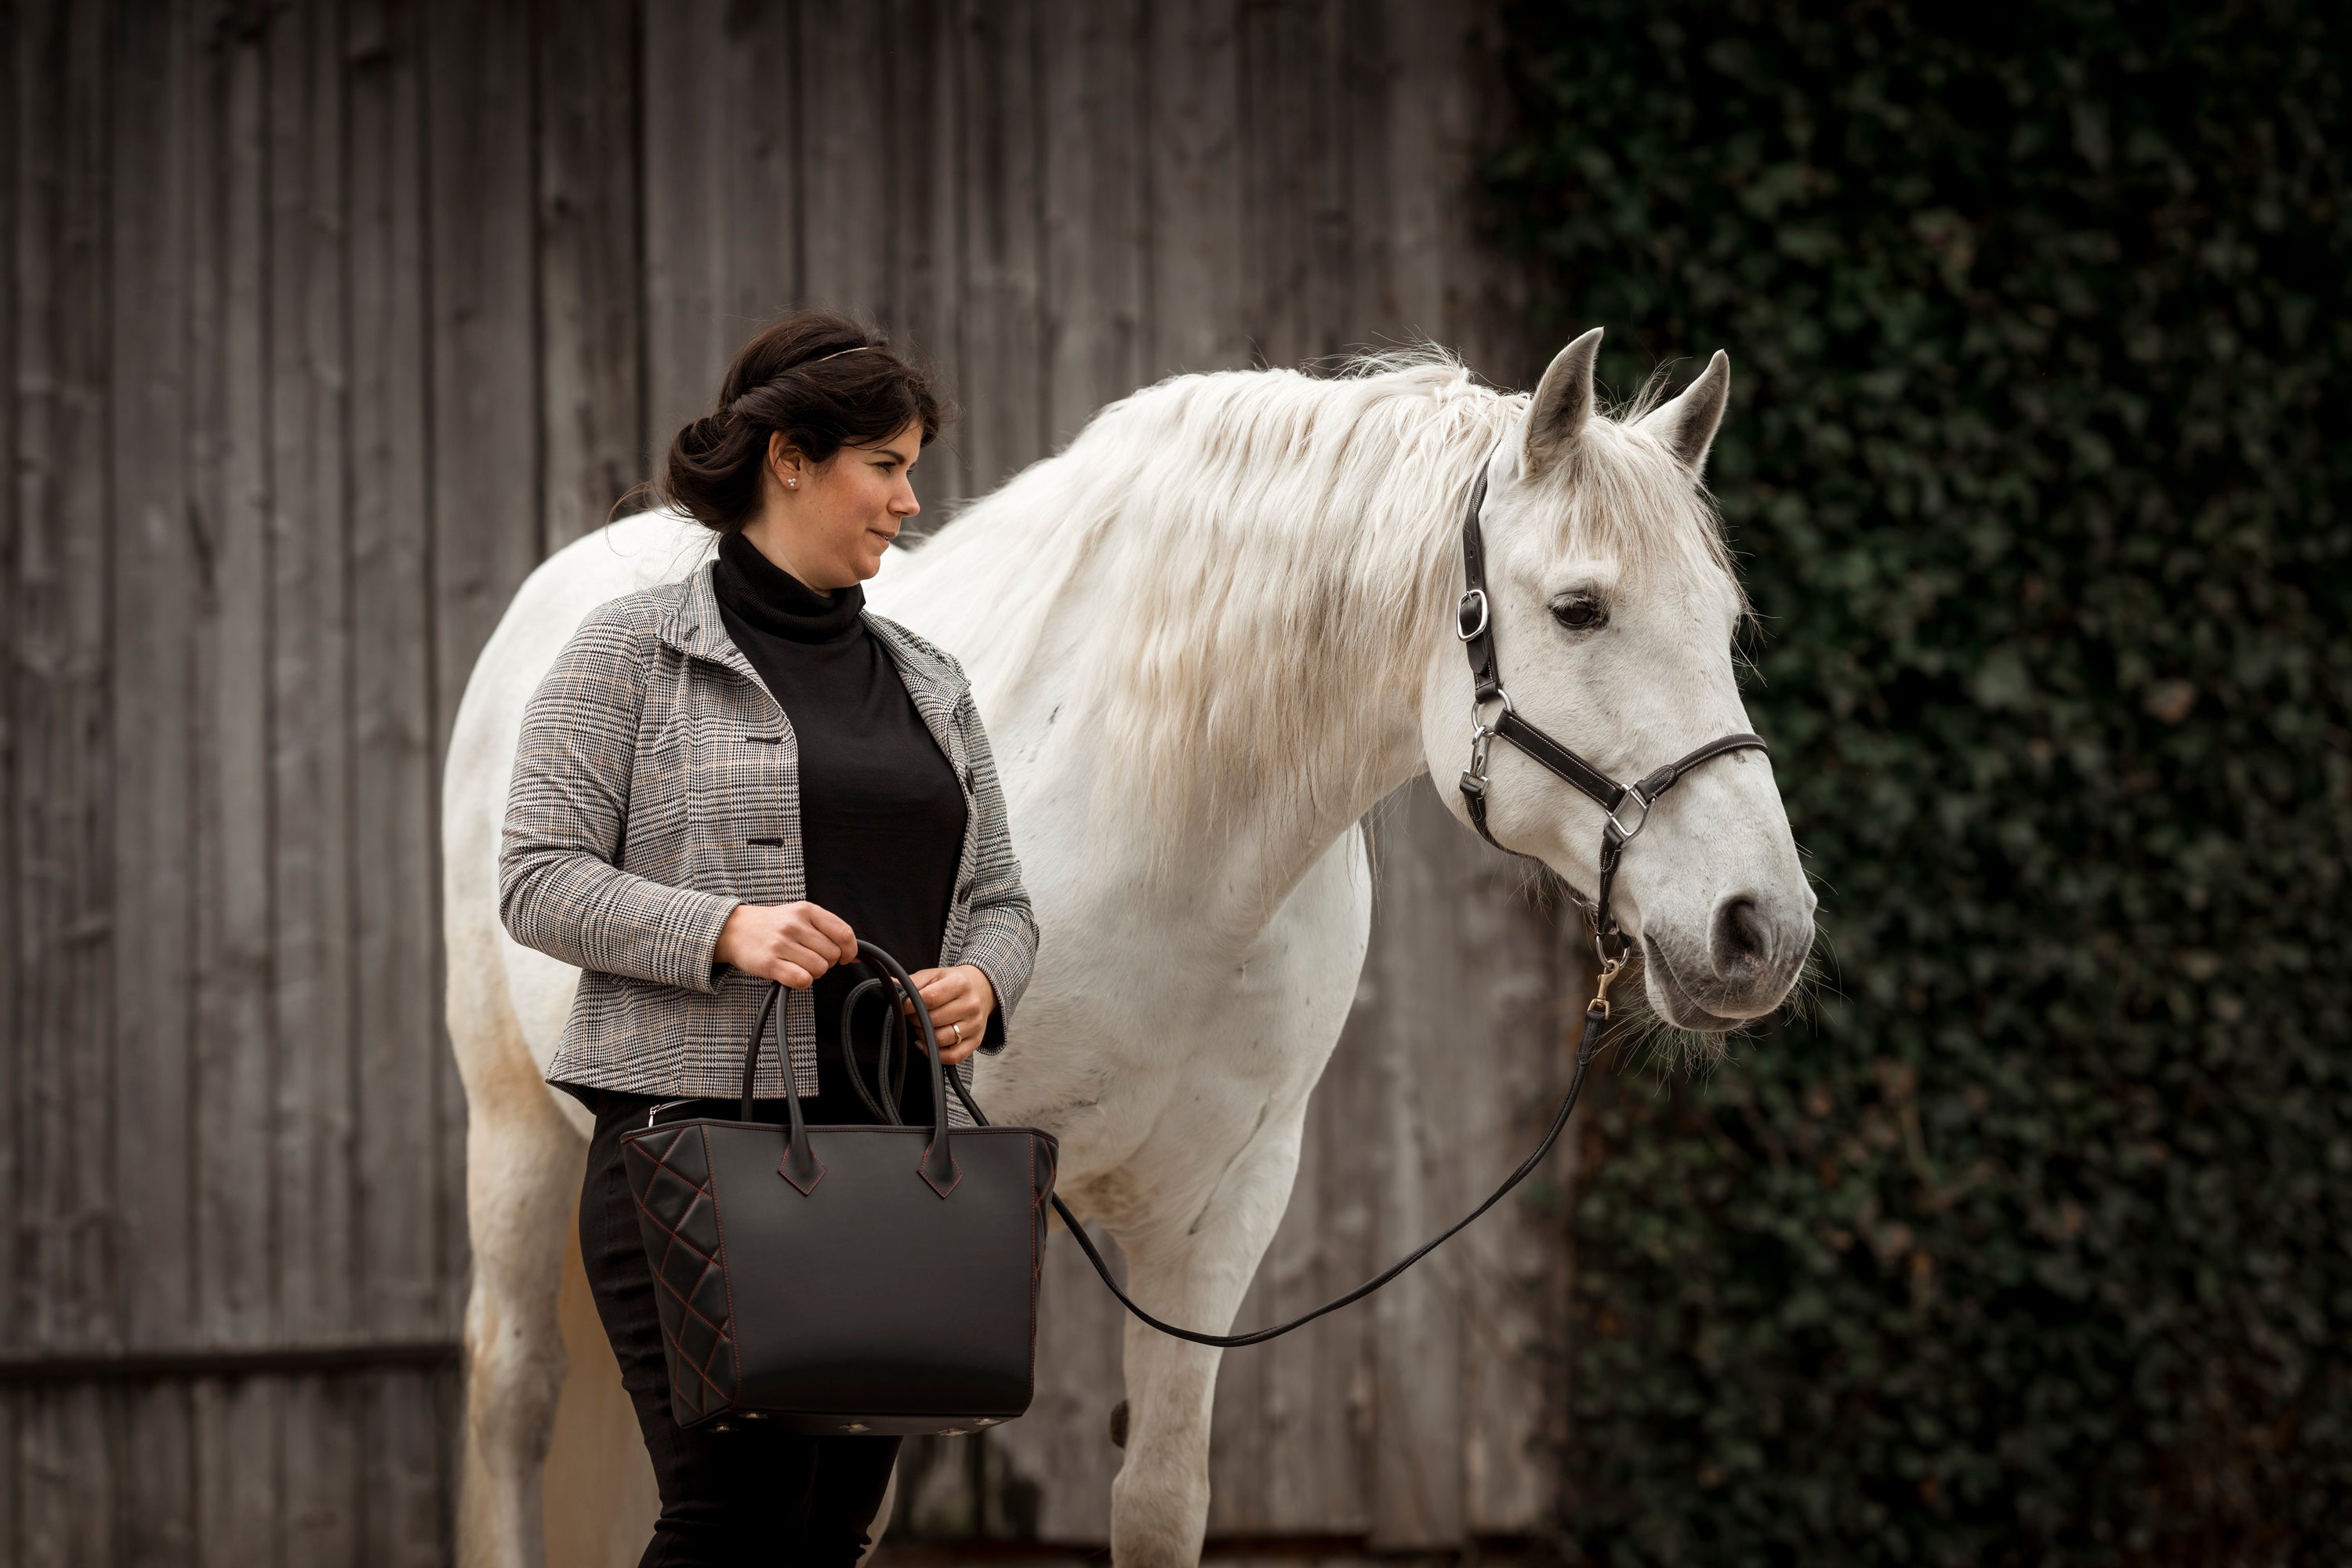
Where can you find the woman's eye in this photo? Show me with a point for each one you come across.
(1578, 614)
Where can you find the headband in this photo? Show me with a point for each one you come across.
(737, 405)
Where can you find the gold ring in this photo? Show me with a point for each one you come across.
(958, 1029)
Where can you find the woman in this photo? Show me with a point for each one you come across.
(728, 781)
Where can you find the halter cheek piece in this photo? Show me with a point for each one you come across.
(1475, 625)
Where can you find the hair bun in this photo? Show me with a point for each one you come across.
(803, 376)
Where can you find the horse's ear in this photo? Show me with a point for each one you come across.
(1688, 424)
(1563, 403)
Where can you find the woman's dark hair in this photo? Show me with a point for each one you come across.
(822, 380)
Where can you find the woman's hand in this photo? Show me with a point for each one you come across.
(961, 999)
(793, 943)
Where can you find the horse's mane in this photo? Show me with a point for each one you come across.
(1266, 551)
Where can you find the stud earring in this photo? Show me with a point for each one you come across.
(792, 484)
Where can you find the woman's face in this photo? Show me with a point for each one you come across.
(828, 523)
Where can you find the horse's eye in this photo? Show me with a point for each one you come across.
(1578, 613)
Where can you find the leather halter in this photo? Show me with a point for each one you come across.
(1475, 625)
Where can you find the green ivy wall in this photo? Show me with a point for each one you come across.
(2034, 1243)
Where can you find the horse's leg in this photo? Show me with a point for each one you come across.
(1191, 1270)
(881, 1519)
(523, 1168)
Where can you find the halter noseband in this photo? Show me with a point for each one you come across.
(1474, 623)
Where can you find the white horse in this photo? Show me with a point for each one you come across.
(1206, 638)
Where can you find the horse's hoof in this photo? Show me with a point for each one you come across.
(1118, 1425)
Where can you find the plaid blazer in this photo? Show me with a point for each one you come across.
(656, 787)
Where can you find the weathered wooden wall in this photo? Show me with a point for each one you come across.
(324, 320)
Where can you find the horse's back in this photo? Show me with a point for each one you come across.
(624, 557)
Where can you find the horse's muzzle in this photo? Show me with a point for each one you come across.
(1747, 968)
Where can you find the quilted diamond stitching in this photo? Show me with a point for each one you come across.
(692, 1248)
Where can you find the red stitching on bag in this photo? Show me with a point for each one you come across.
(701, 1189)
(687, 1361)
(725, 1279)
(721, 1332)
(660, 1273)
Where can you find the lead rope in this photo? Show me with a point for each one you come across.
(1596, 1014)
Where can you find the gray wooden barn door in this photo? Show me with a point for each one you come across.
(272, 427)
(324, 320)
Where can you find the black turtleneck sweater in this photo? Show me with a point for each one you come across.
(882, 817)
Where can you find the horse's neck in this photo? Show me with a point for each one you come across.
(1236, 639)
(1235, 866)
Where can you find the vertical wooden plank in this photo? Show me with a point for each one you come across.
(67, 1472)
(236, 1485)
(683, 277)
(153, 1432)
(1449, 104)
(484, 467)
(1094, 203)
(1192, 87)
(483, 308)
(310, 718)
(156, 562)
(309, 673)
(405, 1517)
(320, 1513)
(59, 665)
(722, 239)
(12, 18)
(848, 212)
(12, 1536)
(758, 153)
(222, 252)
(1417, 1471)
(1503, 1265)
(921, 84)
(393, 738)
(69, 163)
(592, 337)
(1003, 338)
(395, 1026)
(1289, 85)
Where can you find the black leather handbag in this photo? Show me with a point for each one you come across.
(845, 1279)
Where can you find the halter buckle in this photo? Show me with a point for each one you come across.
(1482, 740)
(1462, 629)
(1625, 835)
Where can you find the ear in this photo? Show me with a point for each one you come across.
(1563, 403)
(783, 459)
(1688, 424)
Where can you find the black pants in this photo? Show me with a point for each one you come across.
(743, 1495)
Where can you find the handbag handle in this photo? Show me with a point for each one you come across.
(889, 1062)
(799, 1165)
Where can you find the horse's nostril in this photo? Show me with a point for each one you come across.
(1740, 939)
